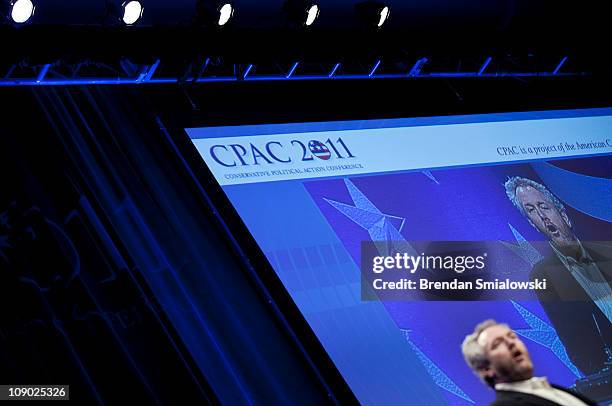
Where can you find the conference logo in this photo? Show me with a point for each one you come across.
(319, 150)
(277, 152)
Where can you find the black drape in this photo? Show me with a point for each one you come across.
(117, 279)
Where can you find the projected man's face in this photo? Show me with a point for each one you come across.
(508, 358)
(546, 217)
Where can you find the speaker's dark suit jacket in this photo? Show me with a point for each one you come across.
(572, 312)
(510, 398)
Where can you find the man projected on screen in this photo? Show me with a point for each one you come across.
(499, 357)
(579, 299)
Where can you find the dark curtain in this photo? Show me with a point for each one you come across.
(116, 278)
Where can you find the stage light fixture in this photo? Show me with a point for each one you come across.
(132, 12)
(225, 13)
(384, 14)
(213, 13)
(373, 14)
(313, 13)
(18, 11)
(302, 12)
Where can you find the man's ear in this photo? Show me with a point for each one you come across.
(487, 375)
(566, 219)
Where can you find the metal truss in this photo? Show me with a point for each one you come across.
(211, 70)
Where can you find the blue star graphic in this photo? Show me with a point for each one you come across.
(430, 176)
(439, 377)
(524, 249)
(382, 228)
(545, 335)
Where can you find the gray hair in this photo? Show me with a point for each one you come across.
(516, 181)
(474, 353)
